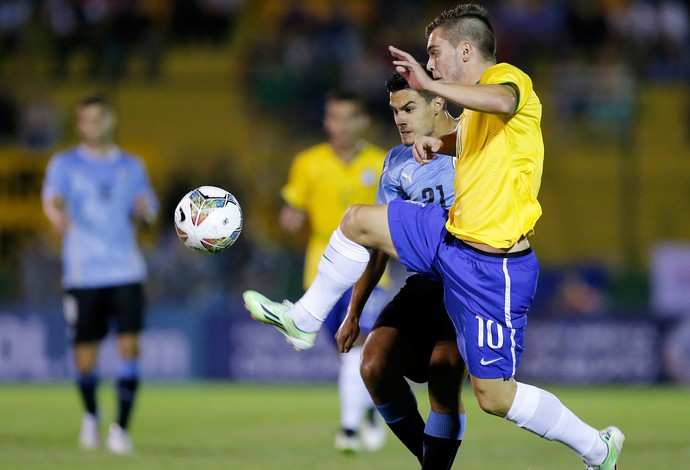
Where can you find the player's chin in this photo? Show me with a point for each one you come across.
(407, 139)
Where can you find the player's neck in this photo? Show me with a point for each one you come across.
(98, 149)
(445, 124)
(347, 151)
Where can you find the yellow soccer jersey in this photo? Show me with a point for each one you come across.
(499, 167)
(324, 186)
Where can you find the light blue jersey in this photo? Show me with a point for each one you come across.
(405, 178)
(99, 247)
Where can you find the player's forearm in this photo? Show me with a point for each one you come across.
(53, 211)
(368, 281)
(493, 99)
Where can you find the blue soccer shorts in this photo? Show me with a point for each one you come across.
(487, 295)
(377, 300)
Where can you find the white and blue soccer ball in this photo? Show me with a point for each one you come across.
(208, 219)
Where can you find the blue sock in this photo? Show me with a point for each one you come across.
(88, 383)
(442, 438)
(396, 410)
(445, 426)
(127, 384)
(403, 418)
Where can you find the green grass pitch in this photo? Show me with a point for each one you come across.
(239, 426)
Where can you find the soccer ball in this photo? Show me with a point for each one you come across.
(208, 219)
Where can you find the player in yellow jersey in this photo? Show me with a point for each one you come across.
(324, 180)
(480, 250)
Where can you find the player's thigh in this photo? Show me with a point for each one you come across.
(487, 298)
(85, 312)
(384, 354)
(128, 303)
(367, 225)
(414, 314)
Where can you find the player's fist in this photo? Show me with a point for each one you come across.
(424, 149)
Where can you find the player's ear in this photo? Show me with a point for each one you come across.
(438, 104)
(466, 50)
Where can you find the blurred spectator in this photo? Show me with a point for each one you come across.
(109, 31)
(653, 36)
(64, 20)
(9, 115)
(14, 19)
(40, 125)
(204, 20)
(587, 27)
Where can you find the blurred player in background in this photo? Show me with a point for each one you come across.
(413, 336)
(323, 182)
(95, 195)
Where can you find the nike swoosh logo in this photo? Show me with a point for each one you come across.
(486, 363)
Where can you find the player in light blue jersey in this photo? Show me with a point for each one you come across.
(400, 346)
(95, 195)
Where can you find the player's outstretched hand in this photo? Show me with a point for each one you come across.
(410, 69)
(347, 333)
(425, 147)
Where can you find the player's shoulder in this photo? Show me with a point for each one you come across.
(129, 157)
(397, 158)
(65, 157)
(504, 71)
(320, 150)
(374, 150)
(399, 152)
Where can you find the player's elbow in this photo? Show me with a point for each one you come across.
(504, 105)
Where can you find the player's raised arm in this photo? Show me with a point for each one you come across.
(411, 70)
(463, 91)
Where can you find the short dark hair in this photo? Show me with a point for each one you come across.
(397, 82)
(467, 21)
(348, 95)
(96, 99)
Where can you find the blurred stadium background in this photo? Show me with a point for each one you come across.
(225, 92)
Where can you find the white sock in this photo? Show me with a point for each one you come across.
(341, 265)
(354, 397)
(542, 413)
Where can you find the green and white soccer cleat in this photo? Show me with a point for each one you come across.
(613, 437)
(278, 315)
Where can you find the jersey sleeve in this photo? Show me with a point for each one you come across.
(296, 190)
(389, 183)
(55, 180)
(142, 187)
(504, 74)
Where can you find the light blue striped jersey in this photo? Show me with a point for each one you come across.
(405, 178)
(99, 247)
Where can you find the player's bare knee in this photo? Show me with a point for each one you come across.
(492, 401)
(351, 225)
(371, 369)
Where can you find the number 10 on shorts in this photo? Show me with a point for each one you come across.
(490, 330)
